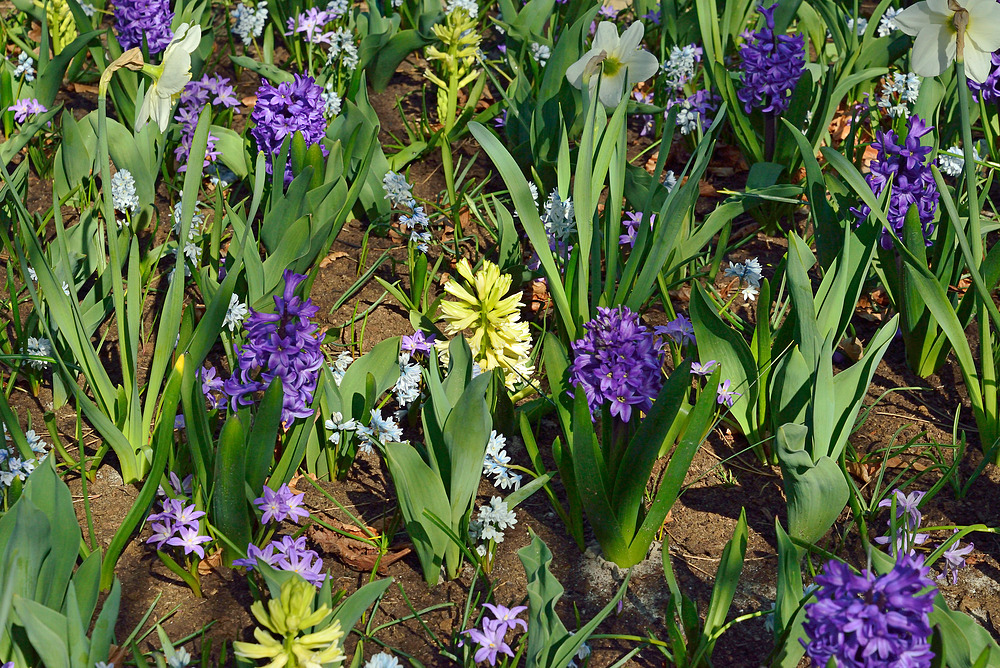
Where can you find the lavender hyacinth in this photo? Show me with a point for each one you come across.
(989, 89)
(905, 164)
(618, 362)
(137, 20)
(284, 110)
(863, 620)
(772, 65)
(284, 345)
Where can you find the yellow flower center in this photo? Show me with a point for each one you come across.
(611, 66)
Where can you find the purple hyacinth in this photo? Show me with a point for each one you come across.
(284, 110)
(216, 91)
(617, 362)
(136, 20)
(863, 620)
(772, 65)
(285, 345)
(989, 89)
(905, 165)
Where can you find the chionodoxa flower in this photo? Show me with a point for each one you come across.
(499, 337)
(286, 617)
(968, 30)
(621, 61)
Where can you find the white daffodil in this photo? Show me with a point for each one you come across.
(169, 77)
(621, 62)
(937, 26)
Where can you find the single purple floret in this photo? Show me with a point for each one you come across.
(863, 620)
(191, 541)
(954, 559)
(772, 66)
(508, 616)
(617, 362)
(705, 369)
(136, 20)
(726, 397)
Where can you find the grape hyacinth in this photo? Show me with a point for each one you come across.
(285, 345)
(617, 362)
(772, 66)
(864, 620)
(904, 164)
(149, 20)
(282, 111)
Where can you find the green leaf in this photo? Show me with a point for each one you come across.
(816, 491)
(230, 512)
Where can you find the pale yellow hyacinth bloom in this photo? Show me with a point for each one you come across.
(932, 22)
(623, 63)
(287, 616)
(499, 338)
(169, 77)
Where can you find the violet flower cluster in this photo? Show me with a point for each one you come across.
(989, 90)
(418, 343)
(23, 108)
(282, 111)
(491, 638)
(281, 505)
(868, 621)
(287, 554)
(284, 344)
(903, 163)
(216, 91)
(149, 20)
(772, 66)
(617, 362)
(178, 524)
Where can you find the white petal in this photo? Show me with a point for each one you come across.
(160, 108)
(977, 63)
(574, 73)
(942, 8)
(143, 116)
(176, 73)
(913, 19)
(642, 65)
(630, 40)
(612, 89)
(933, 50)
(606, 37)
(984, 25)
(187, 39)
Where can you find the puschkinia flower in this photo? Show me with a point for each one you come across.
(143, 20)
(284, 110)
(750, 272)
(903, 162)
(123, 192)
(283, 344)
(864, 620)
(772, 65)
(39, 347)
(951, 161)
(25, 67)
(407, 387)
(397, 190)
(887, 24)
(249, 22)
(281, 505)
(694, 111)
(26, 107)
(496, 461)
(898, 91)
(679, 67)
(236, 313)
(618, 363)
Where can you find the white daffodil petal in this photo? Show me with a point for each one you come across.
(930, 54)
(143, 117)
(978, 64)
(188, 39)
(630, 39)
(176, 73)
(984, 25)
(574, 73)
(612, 89)
(606, 37)
(915, 18)
(160, 111)
(941, 8)
(643, 65)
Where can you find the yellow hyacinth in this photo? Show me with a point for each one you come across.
(62, 27)
(286, 617)
(498, 336)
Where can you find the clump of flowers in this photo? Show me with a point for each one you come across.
(15, 467)
(749, 274)
(123, 194)
(490, 524)
(407, 387)
(617, 362)
(284, 344)
(864, 620)
(898, 91)
(287, 554)
(680, 330)
(903, 162)
(694, 111)
(249, 22)
(418, 343)
(499, 337)
(144, 20)
(39, 347)
(26, 107)
(178, 524)
(25, 67)
(378, 431)
(496, 463)
(397, 191)
(281, 505)
(490, 639)
(772, 66)
(214, 90)
(285, 109)
(286, 618)
(952, 160)
(679, 67)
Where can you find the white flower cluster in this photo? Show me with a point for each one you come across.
(470, 6)
(40, 348)
(491, 522)
(337, 8)
(887, 24)
(750, 272)
(332, 102)
(679, 67)
(383, 660)
(858, 26)
(688, 116)
(340, 366)
(898, 91)
(496, 463)
(336, 425)
(191, 250)
(407, 387)
(249, 22)
(397, 191)
(123, 195)
(342, 45)
(236, 312)
(25, 67)
(379, 430)
(558, 217)
(12, 465)
(541, 53)
(952, 161)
